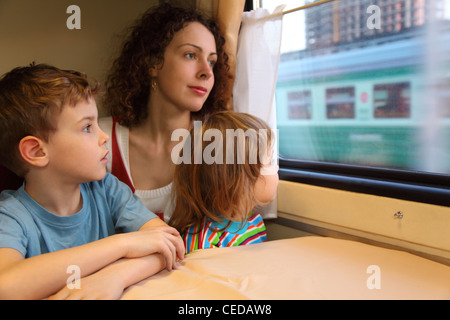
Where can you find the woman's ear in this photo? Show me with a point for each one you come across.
(154, 69)
(153, 72)
(32, 150)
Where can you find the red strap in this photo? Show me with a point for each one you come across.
(117, 166)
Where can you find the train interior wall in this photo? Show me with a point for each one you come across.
(305, 210)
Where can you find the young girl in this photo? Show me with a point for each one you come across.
(214, 199)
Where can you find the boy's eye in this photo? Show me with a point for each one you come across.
(87, 128)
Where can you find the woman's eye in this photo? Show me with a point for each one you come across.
(190, 55)
(212, 63)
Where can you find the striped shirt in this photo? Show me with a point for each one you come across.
(209, 234)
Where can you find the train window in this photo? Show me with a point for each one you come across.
(340, 103)
(299, 104)
(373, 80)
(392, 100)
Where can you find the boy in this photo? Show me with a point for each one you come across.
(68, 208)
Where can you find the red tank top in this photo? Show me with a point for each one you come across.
(118, 166)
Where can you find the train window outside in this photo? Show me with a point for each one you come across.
(392, 100)
(299, 104)
(341, 103)
(379, 77)
(373, 80)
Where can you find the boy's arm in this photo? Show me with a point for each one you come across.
(156, 222)
(110, 282)
(40, 276)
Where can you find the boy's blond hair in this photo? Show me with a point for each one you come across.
(31, 99)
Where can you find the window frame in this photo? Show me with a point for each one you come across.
(392, 183)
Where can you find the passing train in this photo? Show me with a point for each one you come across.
(362, 105)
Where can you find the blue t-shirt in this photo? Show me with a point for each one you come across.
(108, 205)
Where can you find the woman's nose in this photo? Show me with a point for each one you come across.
(206, 70)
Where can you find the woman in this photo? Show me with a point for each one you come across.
(172, 69)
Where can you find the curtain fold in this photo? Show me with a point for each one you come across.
(257, 59)
(229, 15)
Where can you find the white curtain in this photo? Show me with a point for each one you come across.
(257, 59)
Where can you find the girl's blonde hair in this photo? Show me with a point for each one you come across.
(220, 190)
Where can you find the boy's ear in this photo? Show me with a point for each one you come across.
(32, 150)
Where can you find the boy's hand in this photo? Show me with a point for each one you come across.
(164, 240)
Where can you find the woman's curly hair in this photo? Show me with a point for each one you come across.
(128, 85)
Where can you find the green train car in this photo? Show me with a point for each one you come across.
(366, 106)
